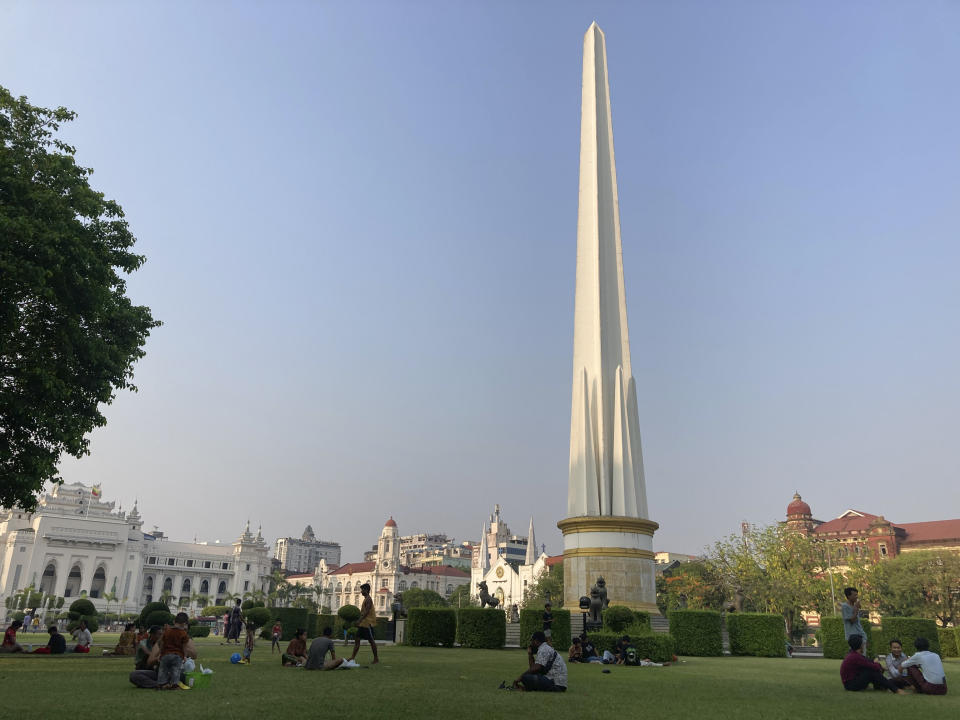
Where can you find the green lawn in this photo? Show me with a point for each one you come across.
(453, 684)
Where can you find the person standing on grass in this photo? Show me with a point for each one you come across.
(925, 669)
(275, 635)
(235, 623)
(857, 671)
(546, 671)
(316, 658)
(851, 616)
(366, 623)
(547, 621)
(249, 643)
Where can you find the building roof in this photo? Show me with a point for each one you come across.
(924, 532)
(852, 521)
(554, 560)
(390, 522)
(357, 567)
(798, 506)
(299, 575)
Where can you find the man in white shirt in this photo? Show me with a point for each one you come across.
(546, 672)
(925, 669)
(83, 637)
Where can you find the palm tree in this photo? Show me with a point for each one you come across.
(165, 597)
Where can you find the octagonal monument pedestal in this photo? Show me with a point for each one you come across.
(619, 549)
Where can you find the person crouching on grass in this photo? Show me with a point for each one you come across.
(857, 671)
(174, 646)
(546, 672)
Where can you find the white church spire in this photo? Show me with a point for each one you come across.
(484, 551)
(531, 546)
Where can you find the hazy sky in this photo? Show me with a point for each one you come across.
(360, 225)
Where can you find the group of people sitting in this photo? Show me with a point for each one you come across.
(922, 671)
(57, 644)
(314, 658)
(584, 651)
(164, 656)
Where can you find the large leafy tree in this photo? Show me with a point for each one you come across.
(692, 585)
(421, 598)
(548, 585)
(69, 335)
(923, 584)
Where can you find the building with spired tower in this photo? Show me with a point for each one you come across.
(607, 532)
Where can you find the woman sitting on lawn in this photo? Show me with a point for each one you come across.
(10, 643)
(296, 653)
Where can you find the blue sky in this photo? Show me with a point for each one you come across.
(360, 225)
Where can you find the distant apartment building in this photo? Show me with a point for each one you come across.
(429, 550)
(303, 554)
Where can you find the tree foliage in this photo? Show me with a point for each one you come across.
(549, 584)
(420, 598)
(920, 584)
(692, 585)
(69, 335)
(461, 597)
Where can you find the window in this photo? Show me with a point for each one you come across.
(248, 567)
(883, 549)
(403, 585)
(171, 561)
(189, 563)
(383, 583)
(22, 548)
(151, 561)
(221, 588)
(204, 587)
(206, 564)
(224, 566)
(246, 585)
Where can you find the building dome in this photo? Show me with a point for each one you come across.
(390, 523)
(797, 507)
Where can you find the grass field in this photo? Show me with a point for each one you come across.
(453, 684)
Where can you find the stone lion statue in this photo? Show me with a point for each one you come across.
(485, 597)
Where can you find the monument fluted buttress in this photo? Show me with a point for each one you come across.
(607, 531)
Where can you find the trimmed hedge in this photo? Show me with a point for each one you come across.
(322, 621)
(834, 642)
(906, 630)
(641, 621)
(697, 632)
(656, 646)
(617, 618)
(758, 634)
(531, 620)
(150, 607)
(481, 628)
(290, 619)
(430, 627)
(199, 631)
(349, 613)
(311, 623)
(158, 617)
(948, 642)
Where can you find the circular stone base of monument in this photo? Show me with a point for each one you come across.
(618, 549)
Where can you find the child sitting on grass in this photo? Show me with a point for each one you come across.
(175, 644)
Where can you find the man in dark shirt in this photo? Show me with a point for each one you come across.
(621, 653)
(589, 650)
(56, 646)
(856, 671)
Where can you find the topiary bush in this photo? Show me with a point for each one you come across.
(834, 643)
(147, 609)
(948, 642)
(159, 617)
(617, 618)
(906, 630)
(430, 627)
(349, 613)
(250, 604)
(199, 631)
(481, 628)
(83, 609)
(697, 632)
(531, 620)
(757, 634)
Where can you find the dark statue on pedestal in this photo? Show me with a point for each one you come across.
(598, 601)
(485, 597)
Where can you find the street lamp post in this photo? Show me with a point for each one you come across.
(584, 608)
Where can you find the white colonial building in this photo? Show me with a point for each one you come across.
(386, 574)
(76, 544)
(301, 555)
(496, 560)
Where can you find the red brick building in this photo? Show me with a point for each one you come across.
(863, 534)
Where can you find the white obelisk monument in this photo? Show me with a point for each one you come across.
(607, 532)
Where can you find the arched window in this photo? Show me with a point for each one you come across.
(168, 584)
(347, 587)
(449, 588)
(185, 590)
(148, 583)
(339, 587)
(49, 579)
(73, 582)
(222, 587)
(204, 587)
(99, 584)
(403, 585)
(414, 584)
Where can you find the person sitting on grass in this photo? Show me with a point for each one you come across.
(546, 671)
(10, 644)
(576, 651)
(127, 644)
(83, 637)
(894, 660)
(296, 653)
(318, 652)
(925, 669)
(623, 644)
(589, 653)
(857, 671)
(175, 644)
(56, 646)
(144, 674)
